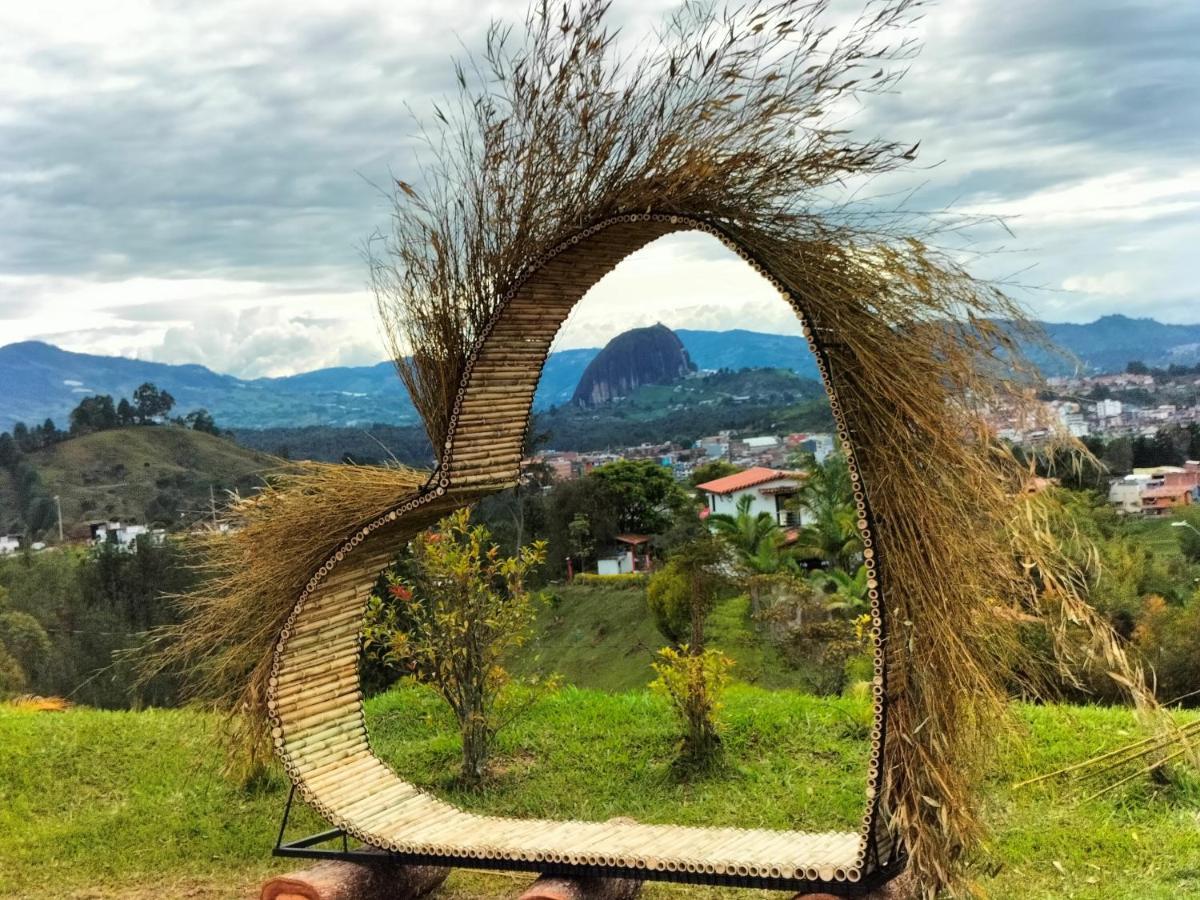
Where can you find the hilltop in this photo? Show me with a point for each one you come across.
(143, 474)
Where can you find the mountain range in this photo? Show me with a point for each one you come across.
(39, 380)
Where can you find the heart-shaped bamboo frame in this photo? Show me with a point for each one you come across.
(315, 699)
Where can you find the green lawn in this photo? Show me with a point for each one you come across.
(112, 804)
(604, 638)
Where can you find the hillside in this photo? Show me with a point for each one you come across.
(633, 358)
(773, 401)
(761, 400)
(42, 381)
(140, 474)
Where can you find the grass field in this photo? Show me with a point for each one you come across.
(134, 804)
(604, 638)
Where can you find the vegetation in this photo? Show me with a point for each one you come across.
(120, 802)
(167, 476)
(69, 620)
(450, 616)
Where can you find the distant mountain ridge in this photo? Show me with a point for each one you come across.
(38, 380)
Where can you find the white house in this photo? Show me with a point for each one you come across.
(1126, 493)
(9, 543)
(769, 491)
(124, 536)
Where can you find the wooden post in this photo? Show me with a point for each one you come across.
(341, 880)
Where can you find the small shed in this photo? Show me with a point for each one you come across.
(631, 554)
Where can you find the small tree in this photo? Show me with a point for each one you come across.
(151, 403)
(461, 610)
(201, 420)
(691, 676)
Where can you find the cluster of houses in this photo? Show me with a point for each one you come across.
(1158, 491)
(123, 536)
(758, 450)
(1171, 403)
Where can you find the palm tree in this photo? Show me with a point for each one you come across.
(827, 497)
(842, 591)
(752, 536)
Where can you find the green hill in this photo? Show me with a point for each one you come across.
(161, 474)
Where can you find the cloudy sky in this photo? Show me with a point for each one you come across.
(192, 182)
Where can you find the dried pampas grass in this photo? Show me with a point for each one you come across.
(252, 573)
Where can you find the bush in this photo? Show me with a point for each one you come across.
(25, 641)
(693, 683)
(452, 617)
(627, 581)
(1168, 638)
(669, 599)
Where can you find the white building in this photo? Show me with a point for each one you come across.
(1126, 493)
(819, 445)
(769, 491)
(9, 543)
(124, 536)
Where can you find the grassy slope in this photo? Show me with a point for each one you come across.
(604, 638)
(119, 472)
(123, 801)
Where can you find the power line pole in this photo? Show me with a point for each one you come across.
(212, 504)
(58, 506)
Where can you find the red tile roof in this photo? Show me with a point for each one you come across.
(742, 480)
(632, 538)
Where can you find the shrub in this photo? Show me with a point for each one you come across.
(669, 599)
(693, 683)
(626, 581)
(451, 617)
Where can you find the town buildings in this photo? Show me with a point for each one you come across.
(1158, 491)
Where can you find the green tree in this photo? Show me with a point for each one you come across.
(22, 438)
(125, 413)
(583, 544)
(755, 537)
(711, 471)
(95, 413)
(9, 452)
(826, 498)
(24, 639)
(463, 610)
(201, 420)
(842, 592)
(646, 492)
(691, 675)
(151, 404)
(1117, 456)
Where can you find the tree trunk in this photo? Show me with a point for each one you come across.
(341, 880)
(475, 745)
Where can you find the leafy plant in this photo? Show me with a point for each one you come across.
(693, 682)
(451, 618)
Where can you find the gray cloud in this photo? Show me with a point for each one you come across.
(229, 144)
